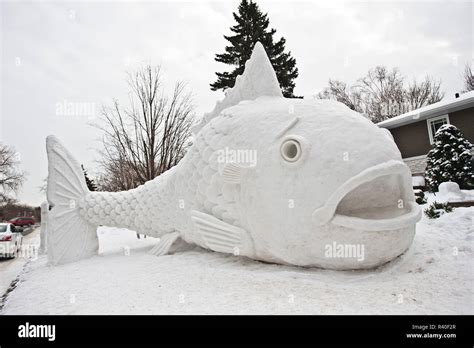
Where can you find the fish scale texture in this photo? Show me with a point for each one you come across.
(162, 206)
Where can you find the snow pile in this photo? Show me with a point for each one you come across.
(115, 240)
(418, 181)
(450, 192)
(433, 277)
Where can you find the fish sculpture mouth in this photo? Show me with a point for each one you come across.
(377, 199)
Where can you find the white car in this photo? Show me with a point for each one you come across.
(10, 240)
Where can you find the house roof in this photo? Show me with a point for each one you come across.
(442, 107)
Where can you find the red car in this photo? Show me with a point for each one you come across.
(22, 221)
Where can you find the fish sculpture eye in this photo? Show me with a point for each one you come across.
(291, 150)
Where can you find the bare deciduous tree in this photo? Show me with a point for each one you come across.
(11, 178)
(423, 93)
(382, 94)
(148, 138)
(338, 90)
(468, 79)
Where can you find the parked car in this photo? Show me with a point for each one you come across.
(22, 221)
(10, 240)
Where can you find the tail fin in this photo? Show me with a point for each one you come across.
(70, 236)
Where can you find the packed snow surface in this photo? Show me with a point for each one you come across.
(418, 181)
(435, 276)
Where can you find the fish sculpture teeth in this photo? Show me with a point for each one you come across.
(301, 182)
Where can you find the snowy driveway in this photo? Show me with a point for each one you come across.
(435, 276)
(10, 268)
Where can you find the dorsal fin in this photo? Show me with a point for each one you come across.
(258, 79)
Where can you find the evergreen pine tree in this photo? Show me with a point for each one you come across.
(90, 183)
(449, 159)
(252, 26)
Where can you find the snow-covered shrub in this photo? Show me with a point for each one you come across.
(420, 197)
(443, 206)
(435, 210)
(449, 159)
(431, 212)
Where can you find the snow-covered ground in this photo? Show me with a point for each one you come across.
(435, 276)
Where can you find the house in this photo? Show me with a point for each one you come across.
(413, 131)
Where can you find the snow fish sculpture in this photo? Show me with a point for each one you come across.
(290, 181)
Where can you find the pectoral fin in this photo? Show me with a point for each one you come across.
(221, 236)
(232, 173)
(165, 243)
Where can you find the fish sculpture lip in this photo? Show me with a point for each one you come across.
(395, 223)
(410, 212)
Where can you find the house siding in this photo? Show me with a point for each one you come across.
(464, 120)
(413, 139)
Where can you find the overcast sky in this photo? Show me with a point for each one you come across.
(78, 52)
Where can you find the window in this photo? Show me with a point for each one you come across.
(434, 124)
